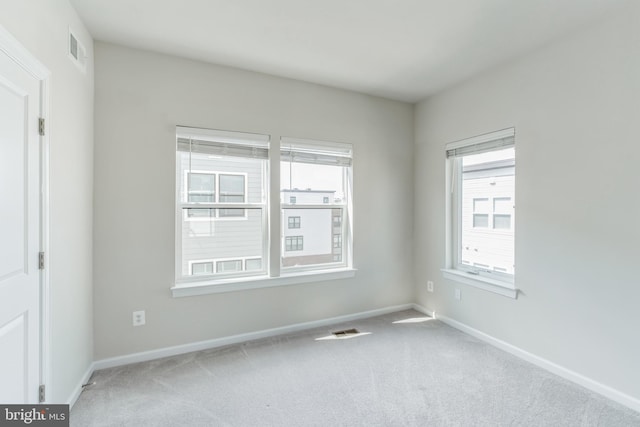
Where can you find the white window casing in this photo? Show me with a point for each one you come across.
(205, 265)
(325, 209)
(480, 224)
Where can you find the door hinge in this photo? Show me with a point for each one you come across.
(41, 395)
(41, 126)
(41, 260)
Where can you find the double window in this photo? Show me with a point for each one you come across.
(481, 176)
(223, 228)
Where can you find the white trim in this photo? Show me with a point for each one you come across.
(481, 282)
(188, 289)
(226, 136)
(17, 52)
(235, 339)
(77, 390)
(588, 383)
(479, 139)
(11, 47)
(423, 310)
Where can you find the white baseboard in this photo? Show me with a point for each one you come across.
(588, 383)
(423, 310)
(78, 388)
(235, 339)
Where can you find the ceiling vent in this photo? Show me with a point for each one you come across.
(77, 52)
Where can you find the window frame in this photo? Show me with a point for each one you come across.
(271, 206)
(188, 280)
(492, 280)
(345, 206)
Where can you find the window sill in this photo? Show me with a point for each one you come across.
(496, 286)
(257, 282)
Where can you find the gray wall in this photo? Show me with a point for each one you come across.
(575, 106)
(42, 27)
(140, 98)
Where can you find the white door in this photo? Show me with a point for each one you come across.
(19, 234)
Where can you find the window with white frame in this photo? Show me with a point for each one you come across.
(221, 203)
(222, 211)
(481, 176)
(315, 185)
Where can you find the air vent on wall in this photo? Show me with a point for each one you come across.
(77, 52)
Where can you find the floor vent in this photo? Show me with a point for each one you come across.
(346, 332)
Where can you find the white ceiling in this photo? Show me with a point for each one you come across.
(399, 49)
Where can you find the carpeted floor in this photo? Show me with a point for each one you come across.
(408, 370)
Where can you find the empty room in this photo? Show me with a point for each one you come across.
(338, 213)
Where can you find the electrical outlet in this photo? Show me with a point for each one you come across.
(138, 318)
(458, 294)
(429, 286)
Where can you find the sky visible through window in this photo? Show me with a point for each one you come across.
(309, 176)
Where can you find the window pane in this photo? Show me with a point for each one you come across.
(226, 198)
(253, 264)
(502, 222)
(303, 183)
(488, 188)
(502, 205)
(232, 184)
(219, 234)
(229, 266)
(480, 220)
(228, 213)
(481, 205)
(200, 213)
(202, 268)
(201, 187)
(318, 239)
(214, 239)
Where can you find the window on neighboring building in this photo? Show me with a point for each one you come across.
(316, 186)
(294, 243)
(221, 202)
(201, 188)
(202, 268)
(253, 264)
(502, 211)
(232, 190)
(229, 265)
(294, 222)
(482, 180)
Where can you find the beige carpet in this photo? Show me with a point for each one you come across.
(403, 370)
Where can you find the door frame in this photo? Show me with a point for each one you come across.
(11, 47)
